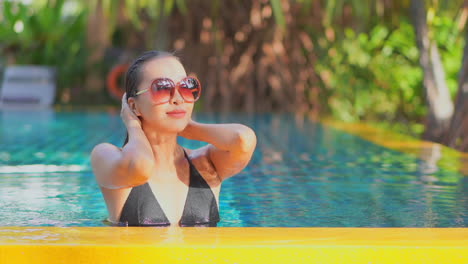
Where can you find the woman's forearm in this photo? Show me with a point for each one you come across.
(137, 153)
(230, 137)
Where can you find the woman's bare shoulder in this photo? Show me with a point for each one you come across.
(108, 168)
(104, 148)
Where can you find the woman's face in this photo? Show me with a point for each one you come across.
(155, 115)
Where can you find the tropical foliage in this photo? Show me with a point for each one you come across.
(352, 59)
(45, 34)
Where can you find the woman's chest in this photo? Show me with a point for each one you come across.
(179, 202)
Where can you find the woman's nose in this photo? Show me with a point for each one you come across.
(177, 98)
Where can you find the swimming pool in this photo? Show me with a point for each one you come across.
(303, 174)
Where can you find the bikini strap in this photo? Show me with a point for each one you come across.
(185, 153)
(189, 161)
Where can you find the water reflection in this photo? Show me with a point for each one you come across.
(304, 174)
(301, 174)
(430, 156)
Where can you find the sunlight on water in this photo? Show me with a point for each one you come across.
(302, 175)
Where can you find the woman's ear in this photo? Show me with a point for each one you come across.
(133, 106)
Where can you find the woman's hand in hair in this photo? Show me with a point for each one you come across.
(128, 116)
(129, 166)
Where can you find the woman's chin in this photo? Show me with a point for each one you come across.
(177, 126)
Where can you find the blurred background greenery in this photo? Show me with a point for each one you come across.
(398, 63)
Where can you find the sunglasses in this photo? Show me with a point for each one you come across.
(163, 89)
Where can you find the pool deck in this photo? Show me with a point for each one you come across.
(232, 245)
(252, 244)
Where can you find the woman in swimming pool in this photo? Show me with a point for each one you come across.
(153, 181)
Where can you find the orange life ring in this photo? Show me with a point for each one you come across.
(113, 81)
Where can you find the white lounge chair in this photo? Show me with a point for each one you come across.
(28, 86)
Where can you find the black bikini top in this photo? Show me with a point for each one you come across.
(142, 208)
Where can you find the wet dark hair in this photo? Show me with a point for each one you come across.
(133, 76)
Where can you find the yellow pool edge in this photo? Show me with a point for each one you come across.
(232, 245)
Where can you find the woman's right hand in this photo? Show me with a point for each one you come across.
(128, 116)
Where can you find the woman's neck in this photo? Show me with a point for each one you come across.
(167, 153)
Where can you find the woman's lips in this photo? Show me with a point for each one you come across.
(176, 114)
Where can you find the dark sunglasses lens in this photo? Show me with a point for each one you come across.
(190, 89)
(161, 90)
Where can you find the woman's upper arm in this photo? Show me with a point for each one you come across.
(227, 163)
(111, 169)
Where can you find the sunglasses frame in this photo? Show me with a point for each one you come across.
(173, 88)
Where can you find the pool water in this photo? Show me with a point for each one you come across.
(302, 174)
